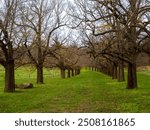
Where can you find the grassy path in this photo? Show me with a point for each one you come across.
(88, 92)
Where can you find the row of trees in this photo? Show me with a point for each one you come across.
(30, 33)
(115, 32)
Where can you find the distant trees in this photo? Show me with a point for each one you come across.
(64, 56)
(112, 32)
(127, 22)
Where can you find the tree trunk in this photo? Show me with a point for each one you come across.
(9, 76)
(40, 75)
(69, 73)
(92, 68)
(72, 71)
(76, 73)
(132, 76)
(62, 73)
(149, 59)
(121, 72)
(79, 71)
(114, 71)
(132, 43)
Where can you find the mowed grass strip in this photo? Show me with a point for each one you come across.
(88, 92)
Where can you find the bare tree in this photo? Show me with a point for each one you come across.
(10, 39)
(42, 18)
(65, 55)
(127, 21)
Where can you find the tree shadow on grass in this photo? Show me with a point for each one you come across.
(22, 90)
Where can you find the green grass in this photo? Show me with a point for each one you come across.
(88, 92)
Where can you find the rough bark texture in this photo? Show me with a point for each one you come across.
(9, 77)
(132, 76)
(40, 75)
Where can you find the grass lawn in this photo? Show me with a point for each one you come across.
(88, 92)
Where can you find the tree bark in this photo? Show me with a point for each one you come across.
(9, 76)
(121, 72)
(114, 71)
(76, 73)
(132, 39)
(79, 71)
(69, 73)
(62, 73)
(132, 76)
(72, 71)
(40, 75)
